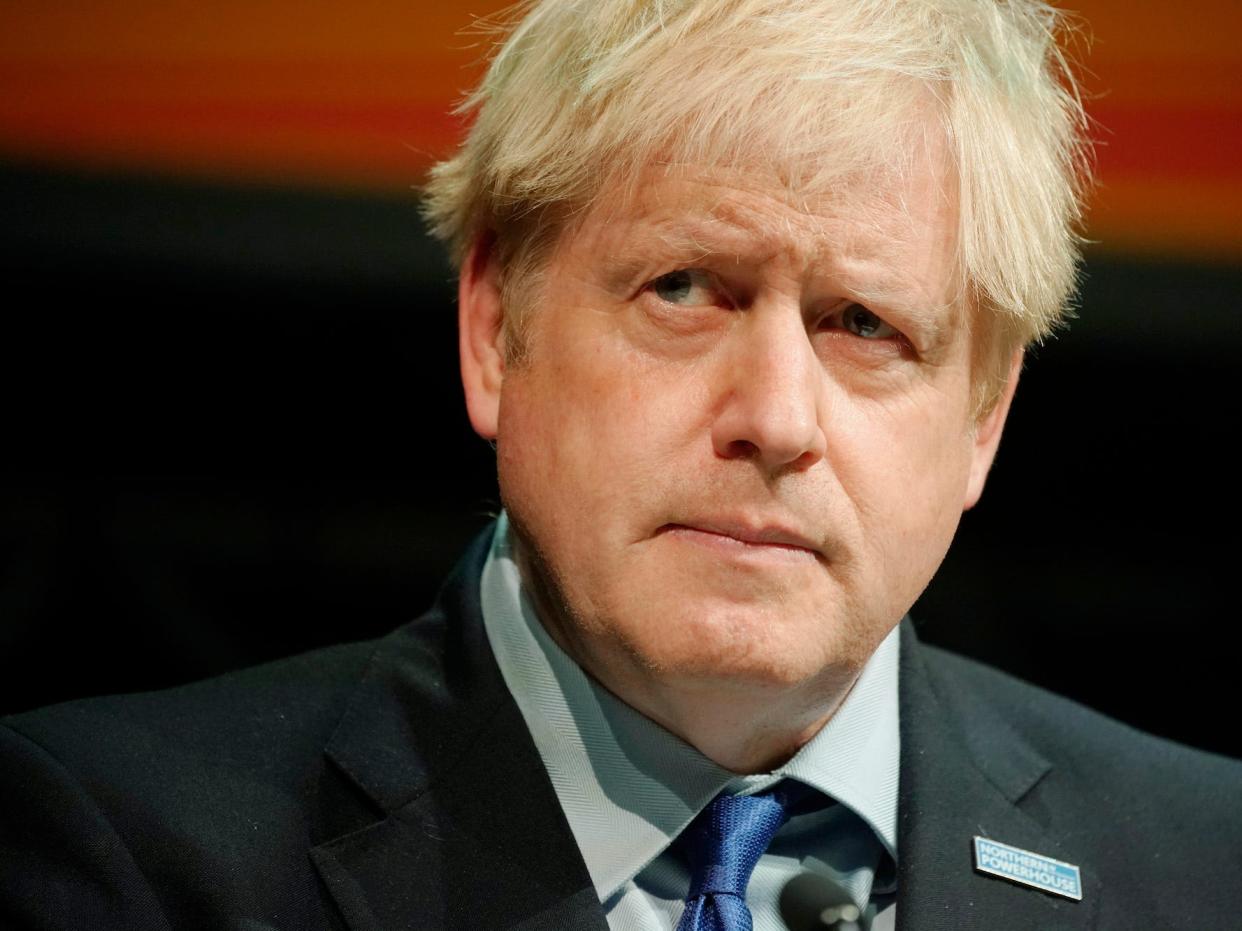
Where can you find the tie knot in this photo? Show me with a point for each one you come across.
(728, 837)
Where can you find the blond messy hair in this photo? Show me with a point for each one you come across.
(583, 95)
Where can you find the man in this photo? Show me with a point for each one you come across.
(744, 291)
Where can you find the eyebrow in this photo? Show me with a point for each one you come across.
(681, 240)
(638, 255)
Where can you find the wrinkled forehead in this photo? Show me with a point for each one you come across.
(904, 177)
(862, 143)
(898, 216)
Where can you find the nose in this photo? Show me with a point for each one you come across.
(771, 405)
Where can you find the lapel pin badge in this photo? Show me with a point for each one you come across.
(1027, 868)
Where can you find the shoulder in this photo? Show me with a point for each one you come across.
(265, 716)
(272, 715)
(199, 804)
(140, 811)
(1155, 826)
(1139, 807)
(1086, 743)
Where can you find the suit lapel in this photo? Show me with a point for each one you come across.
(472, 834)
(965, 772)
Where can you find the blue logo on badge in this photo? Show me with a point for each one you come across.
(1029, 869)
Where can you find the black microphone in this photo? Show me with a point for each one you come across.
(810, 902)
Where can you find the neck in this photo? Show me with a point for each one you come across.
(736, 728)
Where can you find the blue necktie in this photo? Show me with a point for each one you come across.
(723, 844)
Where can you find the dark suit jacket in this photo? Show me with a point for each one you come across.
(393, 784)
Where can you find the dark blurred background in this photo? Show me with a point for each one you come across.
(233, 428)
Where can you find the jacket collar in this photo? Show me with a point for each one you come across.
(470, 833)
(966, 772)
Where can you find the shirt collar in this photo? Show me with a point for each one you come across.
(628, 787)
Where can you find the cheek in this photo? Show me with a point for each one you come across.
(621, 421)
(906, 474)
(582, 446)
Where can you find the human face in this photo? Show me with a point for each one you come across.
(741, 437)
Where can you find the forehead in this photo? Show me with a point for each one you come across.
(890, 234)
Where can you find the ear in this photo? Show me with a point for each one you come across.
(479, 316)
(988, 434)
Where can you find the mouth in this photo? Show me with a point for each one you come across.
(745, 539)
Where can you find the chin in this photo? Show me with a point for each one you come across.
(750, 646)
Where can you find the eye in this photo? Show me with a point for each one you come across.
(862, 322)
(689, 287)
